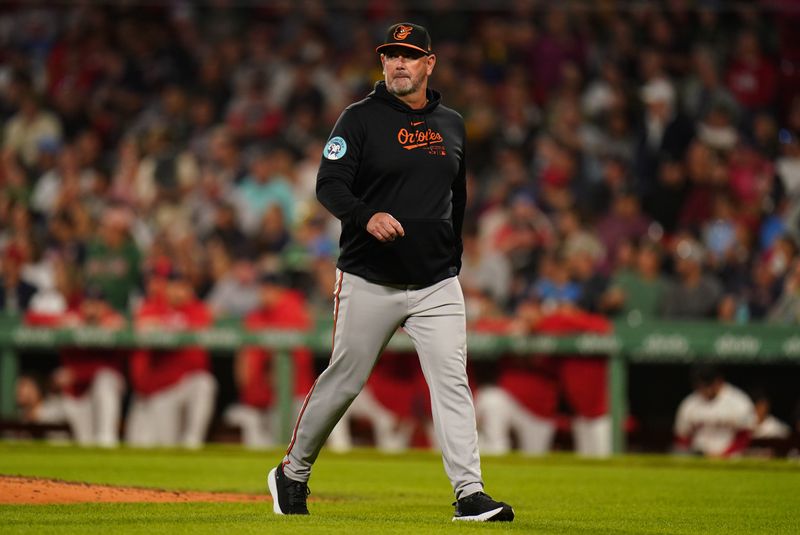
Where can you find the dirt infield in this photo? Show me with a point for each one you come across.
(26, 490)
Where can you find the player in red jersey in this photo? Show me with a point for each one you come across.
(91, 379)
(392, 401)
(281, 309)
(174, 389)
(526, 395)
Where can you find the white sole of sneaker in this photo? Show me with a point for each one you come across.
(483, 517)
(272, 483)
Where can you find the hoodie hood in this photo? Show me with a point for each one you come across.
(381, 93)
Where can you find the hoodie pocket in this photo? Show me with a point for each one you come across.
(426, 253)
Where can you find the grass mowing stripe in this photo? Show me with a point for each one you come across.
(369, 492)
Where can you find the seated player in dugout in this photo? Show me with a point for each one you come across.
(526, 393)
(91, 379)
(174, 391)
(394, 402)
(256, 413)
(38, 402)
(717, 419)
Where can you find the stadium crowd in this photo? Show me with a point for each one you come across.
(637, 161)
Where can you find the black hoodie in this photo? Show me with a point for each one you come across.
(384, 156)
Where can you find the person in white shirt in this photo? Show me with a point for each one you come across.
(717, 419)
(767, 426)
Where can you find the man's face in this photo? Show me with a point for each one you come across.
(27, 392)
(179, 291)
(709, 391)
(270, 295)
(92, 310)
(647, 260)
(406, 70)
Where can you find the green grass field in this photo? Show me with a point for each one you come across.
(366, 492)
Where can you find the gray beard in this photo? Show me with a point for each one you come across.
(415, 85)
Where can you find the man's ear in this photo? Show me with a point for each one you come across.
(431, 63)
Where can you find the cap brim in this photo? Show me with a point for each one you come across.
(406, 45)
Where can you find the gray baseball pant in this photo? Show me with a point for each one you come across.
(366, 315)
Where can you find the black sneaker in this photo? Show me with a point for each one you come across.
(288, 496)
(480, 507)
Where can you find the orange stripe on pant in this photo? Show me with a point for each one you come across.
(333, 341)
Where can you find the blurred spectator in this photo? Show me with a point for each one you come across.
(625, 222)
(174, 390)
(112, 259)
(30, 128)
(235, 292)
(577, 238)
(665, 132)
(62, 186)
(523, 232)
(703, 89)
(554, 287)
(164, 176)
(720, 237)
(716, 129)
(787, 165)
(311, 242)
(224, 162)
(264, 187)
(273, 236)
(555, 47)
(787, 308)
(250, 114)
(225, 230)
(254, 369)
(583, 265)
(483, 271)
(666, 199)
(763, 290)
(717, 419)
(693, 294)
(15, 293)
(751, 76)
(558, 174)
(614, 178)
(639, 293)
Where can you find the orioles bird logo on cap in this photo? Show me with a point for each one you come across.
(402, 31)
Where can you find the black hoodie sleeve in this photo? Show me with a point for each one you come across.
(338, 170)
(459, 204)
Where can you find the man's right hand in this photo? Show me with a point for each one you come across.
(384, 227)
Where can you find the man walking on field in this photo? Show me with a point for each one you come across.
(393, 171)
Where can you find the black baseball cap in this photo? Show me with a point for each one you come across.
(407, 35)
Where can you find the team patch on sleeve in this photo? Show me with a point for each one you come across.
(335, 148)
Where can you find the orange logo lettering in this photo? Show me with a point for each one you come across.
(421, 138)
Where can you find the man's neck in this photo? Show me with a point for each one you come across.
(416, 100)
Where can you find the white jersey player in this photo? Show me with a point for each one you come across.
(717, 419)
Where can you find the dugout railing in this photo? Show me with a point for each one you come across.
(644, 342)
